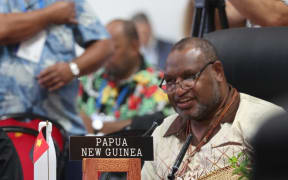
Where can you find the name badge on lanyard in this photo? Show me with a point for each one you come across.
(32, 48)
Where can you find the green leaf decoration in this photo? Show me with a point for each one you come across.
(242, 165)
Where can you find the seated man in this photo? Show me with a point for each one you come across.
(126, 88)
(154, 49)
(220, 119)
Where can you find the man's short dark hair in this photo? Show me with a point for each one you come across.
(204, 45)
(140, 17)
(129, 29)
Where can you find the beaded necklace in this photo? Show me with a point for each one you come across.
(205, 139)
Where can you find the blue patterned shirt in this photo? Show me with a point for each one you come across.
(19, 90)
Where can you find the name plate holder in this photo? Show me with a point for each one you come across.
(91, 167)
(111, 154)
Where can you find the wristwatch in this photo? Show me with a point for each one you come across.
(97, 125)
(74, 69)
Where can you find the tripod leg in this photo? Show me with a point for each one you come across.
(222, 14)
(202, 23)
(210, 19)
(199, 18)
(204, 17)
(196, 22)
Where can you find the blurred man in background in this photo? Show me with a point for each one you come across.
(155, 50)
(38, 66)
(126, 90)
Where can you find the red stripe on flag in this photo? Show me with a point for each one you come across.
(40, 147)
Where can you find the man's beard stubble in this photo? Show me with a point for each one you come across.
(203, 111)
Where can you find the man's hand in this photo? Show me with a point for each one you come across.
(62, 12)
(55, 76)
(110, 127)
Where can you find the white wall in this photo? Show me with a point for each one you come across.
(166, 15)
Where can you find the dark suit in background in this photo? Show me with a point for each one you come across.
(163, 48)
(154, 50)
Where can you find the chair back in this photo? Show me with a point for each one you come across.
(255, 60)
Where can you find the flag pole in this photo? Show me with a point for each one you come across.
(47, 140)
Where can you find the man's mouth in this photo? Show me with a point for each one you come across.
(185, 103)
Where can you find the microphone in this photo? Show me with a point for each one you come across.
(156, 123)
(180, 157)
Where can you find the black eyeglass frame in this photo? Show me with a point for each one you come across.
(193, 77)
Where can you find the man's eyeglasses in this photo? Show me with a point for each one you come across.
(185, 84)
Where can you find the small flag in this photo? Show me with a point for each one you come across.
(44, 155)
(40, 147)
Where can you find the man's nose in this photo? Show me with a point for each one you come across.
(178, 88)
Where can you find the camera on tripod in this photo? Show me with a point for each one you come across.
(204, 16)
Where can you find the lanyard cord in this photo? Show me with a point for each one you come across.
(208, 134)
(119, 100)
(98, 101)
(121, 97)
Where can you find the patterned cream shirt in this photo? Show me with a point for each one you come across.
(215, 154)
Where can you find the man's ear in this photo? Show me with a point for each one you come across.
(219, 71)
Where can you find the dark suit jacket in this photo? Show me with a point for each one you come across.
(163, 48)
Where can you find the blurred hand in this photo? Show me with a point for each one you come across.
(55, 76)
(62, 12)
(110, 127)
